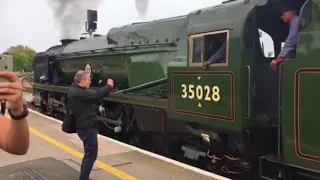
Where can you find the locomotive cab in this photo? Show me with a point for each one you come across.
(277, 94)
(270, 33)
(41, 65)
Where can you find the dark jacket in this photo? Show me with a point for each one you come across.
(82, 104)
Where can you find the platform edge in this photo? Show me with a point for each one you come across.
(185, 166)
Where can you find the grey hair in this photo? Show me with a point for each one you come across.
(80, 75)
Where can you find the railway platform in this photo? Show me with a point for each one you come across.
(54, 155)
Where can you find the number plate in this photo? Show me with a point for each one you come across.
(208, 95)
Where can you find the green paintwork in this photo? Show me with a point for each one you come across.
(205, 111)
(301, 100)
(127, 70)
(117, 72)
(131, 55)
(202, 90)
(221, 114)
(149, 33)
(144, 86)
(224, 16)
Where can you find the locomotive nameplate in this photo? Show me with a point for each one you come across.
(208, 95)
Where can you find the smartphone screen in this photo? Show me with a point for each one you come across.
(6, 64)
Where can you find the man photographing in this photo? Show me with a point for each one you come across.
(82, 103)
(14, 131)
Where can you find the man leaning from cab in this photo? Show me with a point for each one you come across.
(288, 51)
(14, 131)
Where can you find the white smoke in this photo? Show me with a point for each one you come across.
(70, 15)
(142, 8)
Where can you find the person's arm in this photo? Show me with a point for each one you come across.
(91, 94)
(291, 41)
(220, 54)
(14, 134)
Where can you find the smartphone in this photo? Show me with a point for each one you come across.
(6, 64)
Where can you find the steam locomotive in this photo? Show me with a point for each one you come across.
(237, 118)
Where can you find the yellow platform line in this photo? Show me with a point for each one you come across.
(100, 164)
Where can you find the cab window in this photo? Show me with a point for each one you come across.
(266, 44)
(273, 31)
(211, 48)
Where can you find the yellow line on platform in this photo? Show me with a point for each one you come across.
(108, 168)
(100, 164)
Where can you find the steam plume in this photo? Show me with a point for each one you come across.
(70, 15)
(142, 7)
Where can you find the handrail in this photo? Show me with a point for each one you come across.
(145, 85)
(249, 89)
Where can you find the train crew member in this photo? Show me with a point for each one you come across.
(14, 131)
(81, 100)
(218, 57)
(289, 49)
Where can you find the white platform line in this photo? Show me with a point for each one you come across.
(185, 166)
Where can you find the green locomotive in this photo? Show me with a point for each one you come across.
(237, 118)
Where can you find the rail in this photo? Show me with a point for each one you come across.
(22, 74)
(142, 86)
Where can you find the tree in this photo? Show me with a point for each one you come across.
(22, 57)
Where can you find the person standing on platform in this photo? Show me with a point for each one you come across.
(14, 131)
(82, 103)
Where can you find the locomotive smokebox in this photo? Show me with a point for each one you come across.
(67, 41)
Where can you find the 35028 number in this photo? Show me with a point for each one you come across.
(208, 93)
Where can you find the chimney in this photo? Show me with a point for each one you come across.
(67, 41)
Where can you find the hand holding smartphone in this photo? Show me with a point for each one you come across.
(6, 64)
(10, 87)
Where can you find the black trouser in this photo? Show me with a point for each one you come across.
(89, 137)
(3, 108)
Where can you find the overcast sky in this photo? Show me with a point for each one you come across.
(31, 22)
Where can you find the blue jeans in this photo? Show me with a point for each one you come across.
(89, 137)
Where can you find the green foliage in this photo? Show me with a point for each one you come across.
(22, 57)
